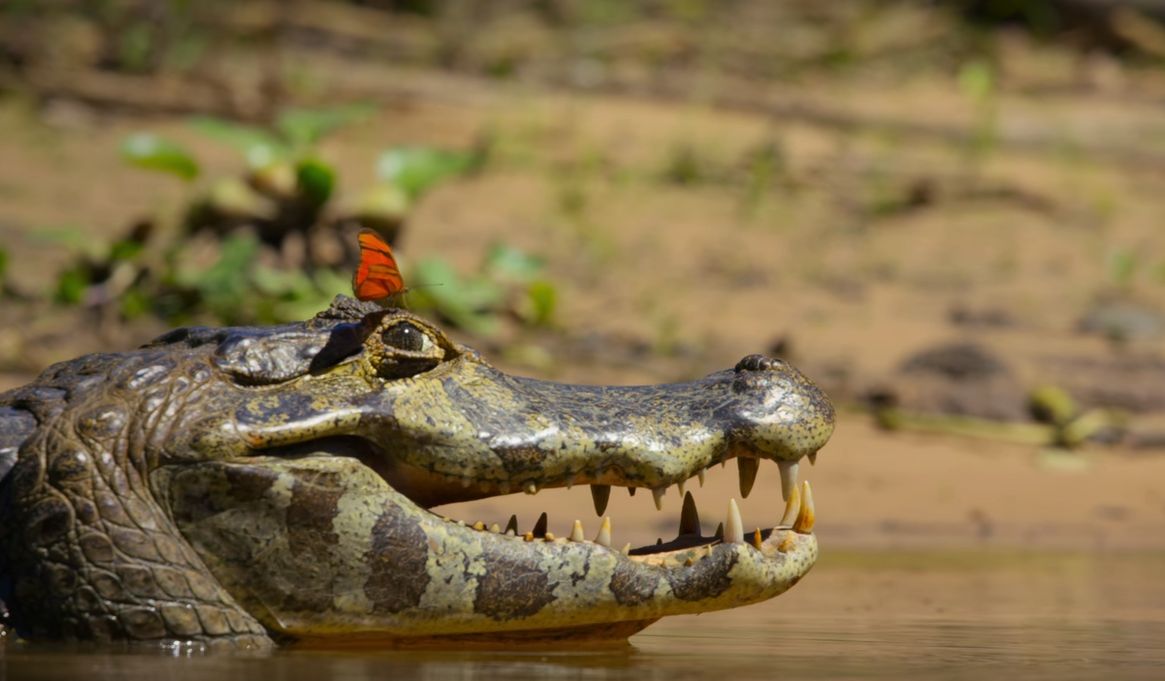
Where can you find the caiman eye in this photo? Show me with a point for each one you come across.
(405, 336)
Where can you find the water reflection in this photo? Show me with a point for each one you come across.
(859, 616)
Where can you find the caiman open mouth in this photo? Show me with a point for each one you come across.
(428, 489)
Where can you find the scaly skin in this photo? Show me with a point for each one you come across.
(239, 486)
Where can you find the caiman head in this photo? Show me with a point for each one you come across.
(237, 484)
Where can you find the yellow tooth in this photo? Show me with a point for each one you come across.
(700, 475)
(756, 538)
(792, 508)
(603, 538)
(529, 536)
(813, 459)
(657, 495)
(479, 526)
(576, 532)
(733, 526)
(788, 477)
(680, 487)
(549, 536)
(531, 488)
(787, 543)
(495, 528)
(807, 516)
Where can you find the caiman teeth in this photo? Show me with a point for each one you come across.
(792, 508)
(657, 495)
(689, 517)
(576, 532)
(512, 526)
(540, 526)
(748, 468)
(603, 538)
(733, 526)
(807, 516)
(495, 528)
(701, 474)
(788, 477)
(601, 494)
(813, 459)
(531, 488)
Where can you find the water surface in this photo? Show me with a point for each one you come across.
(859, 615)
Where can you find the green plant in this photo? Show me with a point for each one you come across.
(240, 225)
(509, 282)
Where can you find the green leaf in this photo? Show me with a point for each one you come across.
(315, 181)
(226, 285)
(509, 263)
(125, 249)
(260, 147)
(466, 304)
(541, 302)
(305, 127)
(151, 152)
(72, 284)
(418, 169)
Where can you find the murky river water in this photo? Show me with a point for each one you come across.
(859, 615)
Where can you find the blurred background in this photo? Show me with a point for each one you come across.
(949, 214)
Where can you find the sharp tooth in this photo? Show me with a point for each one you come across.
(748, 467)
(479, 526)
(603, 538)
(756, 538)
(733, 526)
(576, 532)
(495, 528)
(719, 534)
(531, 488)
(631, 491)
(512, 526)
(680, 487)
(788, 477)
(808, 514)
(813, 459)
(657, 495)
(540, 526)
(529, 536)
(792, 508)
(689, 517)
(600, 494)
(549, 536)
(701, 474)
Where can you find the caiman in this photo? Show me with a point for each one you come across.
(253, 486)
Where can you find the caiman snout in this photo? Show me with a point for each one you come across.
(532, 434)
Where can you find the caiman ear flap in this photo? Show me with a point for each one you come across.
(345, 340)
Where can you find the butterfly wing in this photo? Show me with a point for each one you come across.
(377, 276)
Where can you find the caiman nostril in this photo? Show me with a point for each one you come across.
(758, 363)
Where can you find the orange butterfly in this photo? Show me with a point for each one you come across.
(377, 276)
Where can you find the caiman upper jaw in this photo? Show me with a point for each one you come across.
(497, 434)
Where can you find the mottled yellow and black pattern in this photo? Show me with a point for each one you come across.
(240, 485)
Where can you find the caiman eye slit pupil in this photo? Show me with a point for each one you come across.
(404, 336)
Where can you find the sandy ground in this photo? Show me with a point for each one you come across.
(831, 255)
